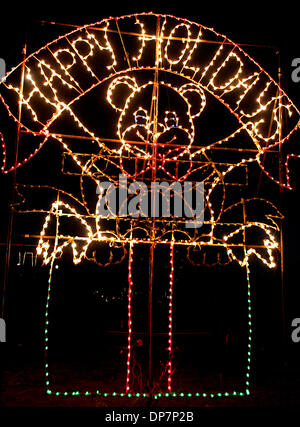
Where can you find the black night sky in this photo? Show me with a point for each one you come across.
(217, 307)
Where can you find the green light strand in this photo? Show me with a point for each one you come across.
(145, 395)
(46, 348)
(250, 331)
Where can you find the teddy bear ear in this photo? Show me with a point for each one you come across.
(119, 90)
(195, 98)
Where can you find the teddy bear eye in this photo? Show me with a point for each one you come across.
(171, 119)
(141, 116)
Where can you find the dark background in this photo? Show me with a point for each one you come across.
(276, 355)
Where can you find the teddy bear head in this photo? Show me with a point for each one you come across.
(155, 116)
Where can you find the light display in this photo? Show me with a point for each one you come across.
(149, 82)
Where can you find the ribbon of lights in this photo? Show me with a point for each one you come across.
(151, 139)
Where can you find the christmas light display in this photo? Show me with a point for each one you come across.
(157, 78)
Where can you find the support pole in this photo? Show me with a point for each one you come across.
(14, 189)
(281, 165)
(150, 295)
(153, 119)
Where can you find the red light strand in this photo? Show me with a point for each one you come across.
(170, 316)
(130, 284)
